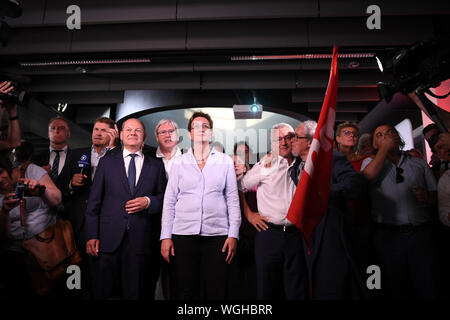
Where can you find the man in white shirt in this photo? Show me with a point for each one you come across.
(279, 256)
(166, 132)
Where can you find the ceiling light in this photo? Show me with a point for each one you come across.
(83, 62)
(301, 56)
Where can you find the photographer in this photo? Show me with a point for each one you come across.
(13, 139)
(38, 218)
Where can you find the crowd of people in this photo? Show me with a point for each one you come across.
(193, 224)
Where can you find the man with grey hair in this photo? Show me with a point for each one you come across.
(329, 243)
(166, 132)
(280, 261)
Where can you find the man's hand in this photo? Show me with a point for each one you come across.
(78, 180)
(92, 247)
(5, 87)
(387, 143)
(136, 205)
(257, 220)
(230, 245)
(32, 183)
(113, 135)
(9, 202)
(167, 249)
(240, 169)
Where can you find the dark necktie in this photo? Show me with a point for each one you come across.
(55, 166)
(295, 170)
(132, 172)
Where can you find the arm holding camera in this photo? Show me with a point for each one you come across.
(13, 140)
(51, 195)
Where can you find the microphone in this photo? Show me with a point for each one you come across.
(84, 162)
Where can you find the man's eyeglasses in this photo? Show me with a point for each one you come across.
(163, 133)
(286, 138)
(398, 176)
(350, 133)
(297, 137)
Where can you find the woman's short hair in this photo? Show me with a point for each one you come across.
(347, 124)
(199, 114)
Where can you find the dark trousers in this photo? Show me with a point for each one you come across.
(124, 271)
(198, 269)
(407, 261)
(280, 265)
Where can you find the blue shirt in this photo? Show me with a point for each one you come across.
(391, 202)
(201, 202)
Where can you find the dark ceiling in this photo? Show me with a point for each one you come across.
(190, 44)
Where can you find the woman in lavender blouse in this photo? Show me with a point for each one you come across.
(201, 217)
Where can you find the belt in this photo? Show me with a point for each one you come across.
(402, 228)
(283, 228)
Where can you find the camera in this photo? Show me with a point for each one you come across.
(15, 96)
(22, 190)
(422, 64)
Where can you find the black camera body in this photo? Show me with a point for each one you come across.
(422, 64)
(15, 96)
(22, 190)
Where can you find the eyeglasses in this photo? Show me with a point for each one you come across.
(398, 175)
(297, 137)
(164, 132)
(350, 133)
(201, 126)
(137, 130)
(286, 138)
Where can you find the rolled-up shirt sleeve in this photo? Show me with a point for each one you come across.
(232, 198)
(252, 178)
(170, 200)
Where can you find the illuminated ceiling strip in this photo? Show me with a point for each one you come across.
(83, 62)
(301, 56)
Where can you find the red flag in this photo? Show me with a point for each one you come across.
(310, 200)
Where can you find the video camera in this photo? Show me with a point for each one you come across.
(424, 64)
(18, 95)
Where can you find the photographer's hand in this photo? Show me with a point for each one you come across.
(10, 202)
(32, 183)
(5, 87)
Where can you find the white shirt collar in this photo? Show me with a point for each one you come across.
(63, 149)
(175, 152)
(126, 153)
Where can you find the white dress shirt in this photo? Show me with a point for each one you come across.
(275, 189)
(138, 161)
(168, 163)
(62, 158)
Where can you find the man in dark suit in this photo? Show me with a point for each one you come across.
(331, 264)
(54, 159)
(82, 171)
(127, 190)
